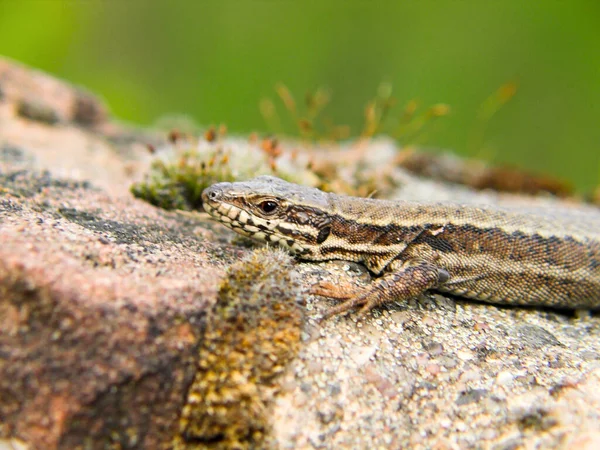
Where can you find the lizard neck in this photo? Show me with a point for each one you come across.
(365, 231)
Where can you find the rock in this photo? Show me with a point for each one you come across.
(126, 326)
(99, 318)
(40, 97)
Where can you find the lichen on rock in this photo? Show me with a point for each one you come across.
(252, 335)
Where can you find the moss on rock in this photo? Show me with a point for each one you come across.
(253, 335)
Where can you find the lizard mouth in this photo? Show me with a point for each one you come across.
(226, 213)
(232, 217)
(241, 222)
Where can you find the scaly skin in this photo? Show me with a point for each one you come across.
(521, 256)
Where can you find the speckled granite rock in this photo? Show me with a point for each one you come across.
(102, 305)
(121, 325)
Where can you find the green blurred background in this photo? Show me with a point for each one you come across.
(215, 61)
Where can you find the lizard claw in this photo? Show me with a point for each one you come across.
(352, 295)
(347, 305)
(331, 290)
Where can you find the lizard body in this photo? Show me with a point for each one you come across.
(521, 256)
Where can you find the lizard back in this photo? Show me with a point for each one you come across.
(513, 255)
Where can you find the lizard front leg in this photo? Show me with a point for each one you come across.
(403, 280)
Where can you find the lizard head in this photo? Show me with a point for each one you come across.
(272, 210)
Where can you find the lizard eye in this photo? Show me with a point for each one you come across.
(268, 206)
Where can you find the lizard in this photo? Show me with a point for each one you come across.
(533, 256)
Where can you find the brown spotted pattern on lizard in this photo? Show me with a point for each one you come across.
(521, 256)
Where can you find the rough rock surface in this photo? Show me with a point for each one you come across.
(122, 327)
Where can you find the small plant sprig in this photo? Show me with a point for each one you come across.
(306, 116)
(178, 184)
(410, 127)
(488, 109)
(596, 192)
(313, 127)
